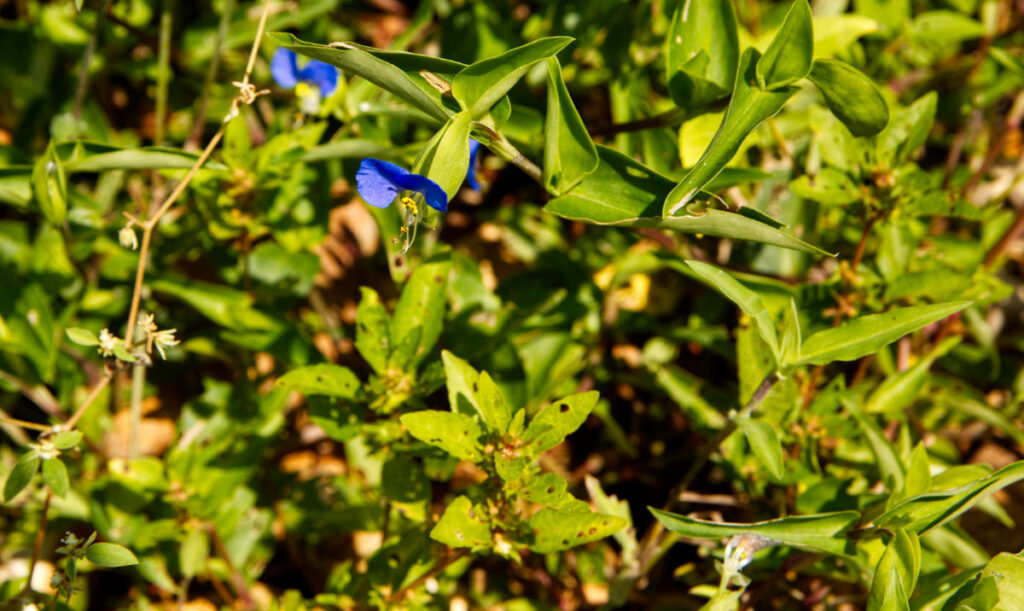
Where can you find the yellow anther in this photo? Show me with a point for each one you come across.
(303, 90)
(410, 204)
(404, 229)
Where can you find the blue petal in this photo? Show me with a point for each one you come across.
(471, 181)
(379, 182)
(324, 76)
(375, 181)
(284, 68)
(432, 192)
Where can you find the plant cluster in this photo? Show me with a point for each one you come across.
(582, 303)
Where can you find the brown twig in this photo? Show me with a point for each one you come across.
(95, 392)
(237, 581)
(40, 537)
(1012, 233)
(440, 565)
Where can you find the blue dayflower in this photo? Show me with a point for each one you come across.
(471, 181)
(380, 182)
(316, 74)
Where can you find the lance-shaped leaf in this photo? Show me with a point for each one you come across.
(55, 476)
(457, 434)
(888, 459)
(49, 186)
(480, 85)
(765, 443)
(748, 108)
(788, 57)
(626, 193)
(906, 131)
(560, 530)
(410, 87)
(445, 159)
(896, 574)
(569, 153)
(866, 334)
(897, 391)
(21, 474)
(322, 379)
(746, 299)
(110, 555)
(930, 510)
(702, 52)
(851, 96)
(824, 532)
(145, 158)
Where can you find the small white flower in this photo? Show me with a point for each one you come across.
(108, 342)
(47, 450)
(127, 237)
(164, 339)
(147, 323)
(70, 539)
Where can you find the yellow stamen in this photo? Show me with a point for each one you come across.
(404, 229)
(303, 90)
(410, 204)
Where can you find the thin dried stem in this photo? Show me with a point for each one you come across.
(38, 547)
(95, 392)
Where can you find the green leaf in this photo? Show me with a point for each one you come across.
(824, 532)
(55, 476)
(906, 132)
(445, 159)
(788, 58)
(463, 386)
(550, 490)
(555, 531)
(896, 574)
(82, 337)
(421, 307)
(322, 379)
(851, 96)
(866, 334)
(49, 186)
(830, 186)
(373, 331)
(746, 299)
(551, 426)
(569, 153)
(144, 158)
(21, 475)
(414, 90)
(1000, 585)
(701, 52)
(110, 555)
(457, 434)
(626, 193)
(748, 108)
(789, 347)
(460, 526)
(930, 510)
(494, 409)
(65, 440)
(938, 27)
(195, 549)
(886, 457)
(919, 475)
(766, 445)
(481, 85)
(899, 390)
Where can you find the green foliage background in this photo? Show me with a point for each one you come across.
(734, 321)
